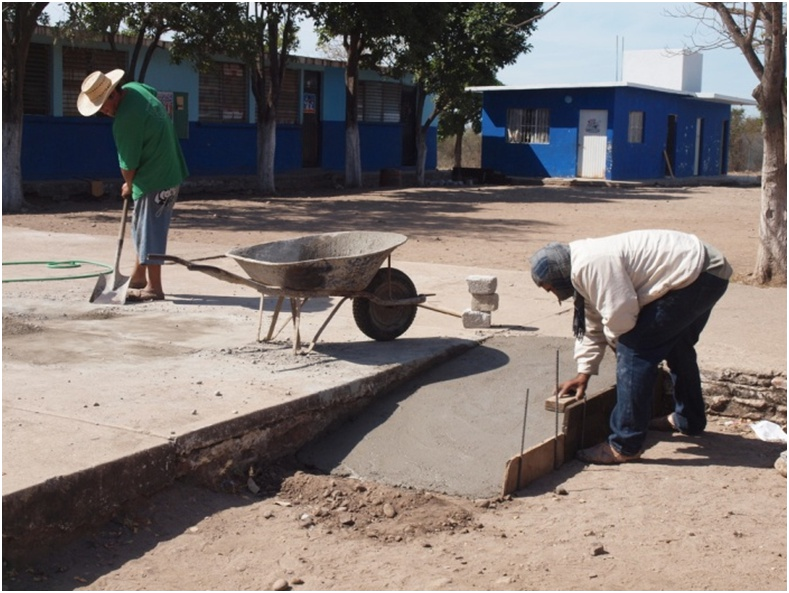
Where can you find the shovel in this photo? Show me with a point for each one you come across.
(114, 292)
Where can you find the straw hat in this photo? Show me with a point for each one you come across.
(95, 89)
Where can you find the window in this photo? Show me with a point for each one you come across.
(528, 126)
(635, 127)
(78, 62)
(223, 94)
(37, 87)
(288, 106)
(379, 102)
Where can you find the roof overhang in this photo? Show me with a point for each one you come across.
(713, 97)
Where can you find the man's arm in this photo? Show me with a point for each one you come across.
(128, 179)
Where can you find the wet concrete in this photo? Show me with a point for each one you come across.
(452, 429)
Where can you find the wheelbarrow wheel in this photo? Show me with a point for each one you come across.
(381, 322)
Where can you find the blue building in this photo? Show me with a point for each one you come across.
(214, 114)
(620, 131)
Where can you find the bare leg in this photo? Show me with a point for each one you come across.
(154, 279)
(138, 279)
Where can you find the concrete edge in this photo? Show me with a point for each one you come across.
(40, 518)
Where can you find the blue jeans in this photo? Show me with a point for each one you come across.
(666, 329)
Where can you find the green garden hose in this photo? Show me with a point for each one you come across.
(59, 265)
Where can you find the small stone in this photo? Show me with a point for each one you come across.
(389, 511)
(280, 585)
(561, 491)
(780, 464)
(297, 581)
(598, 550)
(218, 393)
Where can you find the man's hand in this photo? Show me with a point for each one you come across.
(126, 191)
(576, 386)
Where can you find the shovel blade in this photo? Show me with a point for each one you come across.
(112, 292)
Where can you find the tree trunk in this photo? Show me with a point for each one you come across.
(13, 197)
(459, 149)
(267, 146)
(17, 32)
(353, 151)
(353, 156)
(771, 98)
(421, 154)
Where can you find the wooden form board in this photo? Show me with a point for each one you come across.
(585, 424)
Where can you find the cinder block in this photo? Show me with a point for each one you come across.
(475, 319)
(482, 284)
(484, 302)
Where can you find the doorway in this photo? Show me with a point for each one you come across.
(592, 143)
(310, 123)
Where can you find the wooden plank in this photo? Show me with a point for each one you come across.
(536, 462)
(564, 401)
(587, 423)
(584, 425)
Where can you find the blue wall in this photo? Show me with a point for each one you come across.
(68, 148)
(625, 161)
(56, 147)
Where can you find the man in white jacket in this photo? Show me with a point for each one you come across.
(648, 295)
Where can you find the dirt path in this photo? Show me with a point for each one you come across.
(710, 514)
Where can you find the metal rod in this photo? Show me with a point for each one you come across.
(556, 429)
(523, 439)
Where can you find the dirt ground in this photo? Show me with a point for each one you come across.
(703, 513)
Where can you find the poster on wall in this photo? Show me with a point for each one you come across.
(309, 103)
(168, 100)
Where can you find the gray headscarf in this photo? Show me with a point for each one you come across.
(552, 265)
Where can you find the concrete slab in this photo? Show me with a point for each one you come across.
(101, 403)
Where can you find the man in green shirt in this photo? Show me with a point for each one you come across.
(151, 163)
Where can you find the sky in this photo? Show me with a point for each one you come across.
(578, 42)
(581, 42)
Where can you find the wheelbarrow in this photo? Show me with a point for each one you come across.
(344, 264)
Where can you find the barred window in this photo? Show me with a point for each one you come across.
(528, 126)
(78, 62)
(223, 93)
(288, 106)
(635, 128)
(379, 102)
(37, 93)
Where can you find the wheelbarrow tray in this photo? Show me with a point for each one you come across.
(328, 263)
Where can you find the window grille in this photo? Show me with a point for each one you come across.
(379, 102)
(635, 128)
(223, 94)
(528, 126)
(37, 92)
(78, 62)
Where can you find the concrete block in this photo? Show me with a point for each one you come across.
(484, 302)
(475, 319)
(97, 189)
(482, 284)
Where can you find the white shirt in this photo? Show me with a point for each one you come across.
(620, 274)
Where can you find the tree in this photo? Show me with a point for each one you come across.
(758, 30)
(19, 23)
(464, 112)
(262, 35)
(370, 33)
(745, 146)
(146, 21)
(472, 42)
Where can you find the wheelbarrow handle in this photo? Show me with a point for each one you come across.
(218, 273)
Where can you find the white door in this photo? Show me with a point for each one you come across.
(592, 143)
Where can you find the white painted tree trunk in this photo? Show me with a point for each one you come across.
(267, 148)
(353, 157)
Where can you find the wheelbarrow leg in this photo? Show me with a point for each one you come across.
(325, 323)
(275, 315)
(295, 307)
